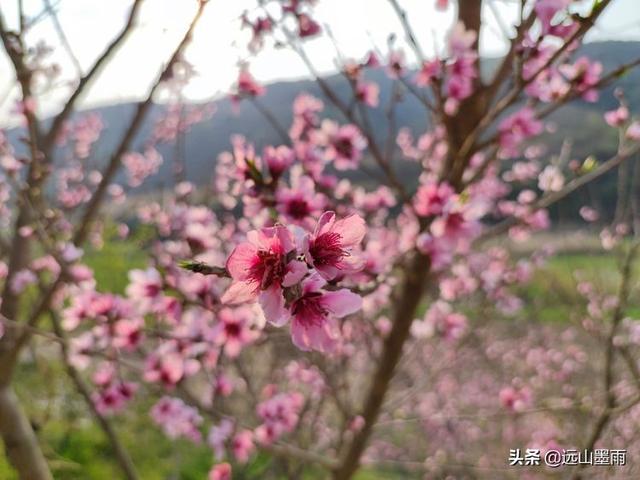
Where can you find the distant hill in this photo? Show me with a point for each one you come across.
(580, 121)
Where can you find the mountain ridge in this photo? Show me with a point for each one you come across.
(579, 121)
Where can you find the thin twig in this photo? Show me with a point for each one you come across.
(122, 457)
(87, 79)
(63, 37)
(548, 200)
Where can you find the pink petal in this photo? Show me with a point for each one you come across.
(312, 337)
(296, 270)
(438, 227)
(173, 367)
(284, 235)
(301, 240)
(351, 264)
(299, 336)
(255, 238)
(342, 302)
(239, 292)
(272, 303)
(352, 229)
(313, 283)
(324, 223)
(267, 238)
(328, 271)
(232, 348)
(241, 260)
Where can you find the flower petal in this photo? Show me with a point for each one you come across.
(312, 336)
(241, 260)
(296, 270)
(328, 271)
(299, 335)
(324, 223)
(240, 292)
(313, 283)
(342, 302)
(286, 240)
(272, 303)
(351, 230)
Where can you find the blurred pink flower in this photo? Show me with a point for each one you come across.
(617, 117)
(344, 144)
(312, 314)
(432, 197)
(222, 471)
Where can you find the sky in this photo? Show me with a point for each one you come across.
(219, 43)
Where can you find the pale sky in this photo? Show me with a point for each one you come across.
(219, 43)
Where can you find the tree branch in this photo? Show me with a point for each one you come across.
(134, 127)
(554, 197)
(411, 294)
(87, 79)
(610, 350)
(122, 457)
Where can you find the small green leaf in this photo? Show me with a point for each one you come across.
(588, 165)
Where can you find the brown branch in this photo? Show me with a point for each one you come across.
(406, 26)
(572, 95)
(279, 449)
(554, 197)
(348, 114)
(48, 7)
(273, 121)
(35, 330)
(19, 249)
(511, 97)
(11, 351)
(631, 364)
(610, 350)
(289, 451)
(35, 19)
(412, 292)
(383, 162)
(602, 83)
(21, 443)
(122, 457)
(506, 65)
(204, 269)
(134, 127)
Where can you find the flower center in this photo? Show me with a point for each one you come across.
(151, 290)
(269, 268)
(298, 208)
(327, 249)
(309, 310)
(344, 147)
(232, 329)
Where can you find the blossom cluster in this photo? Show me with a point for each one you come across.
(303, 234)
(287, 275)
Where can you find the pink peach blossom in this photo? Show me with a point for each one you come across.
(260, 268)
(312, 314)
(221, 471)
(617, 117)
(331, 246)
(344, 144)
(432, 197)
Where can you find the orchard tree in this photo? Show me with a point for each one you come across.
(289, 310)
